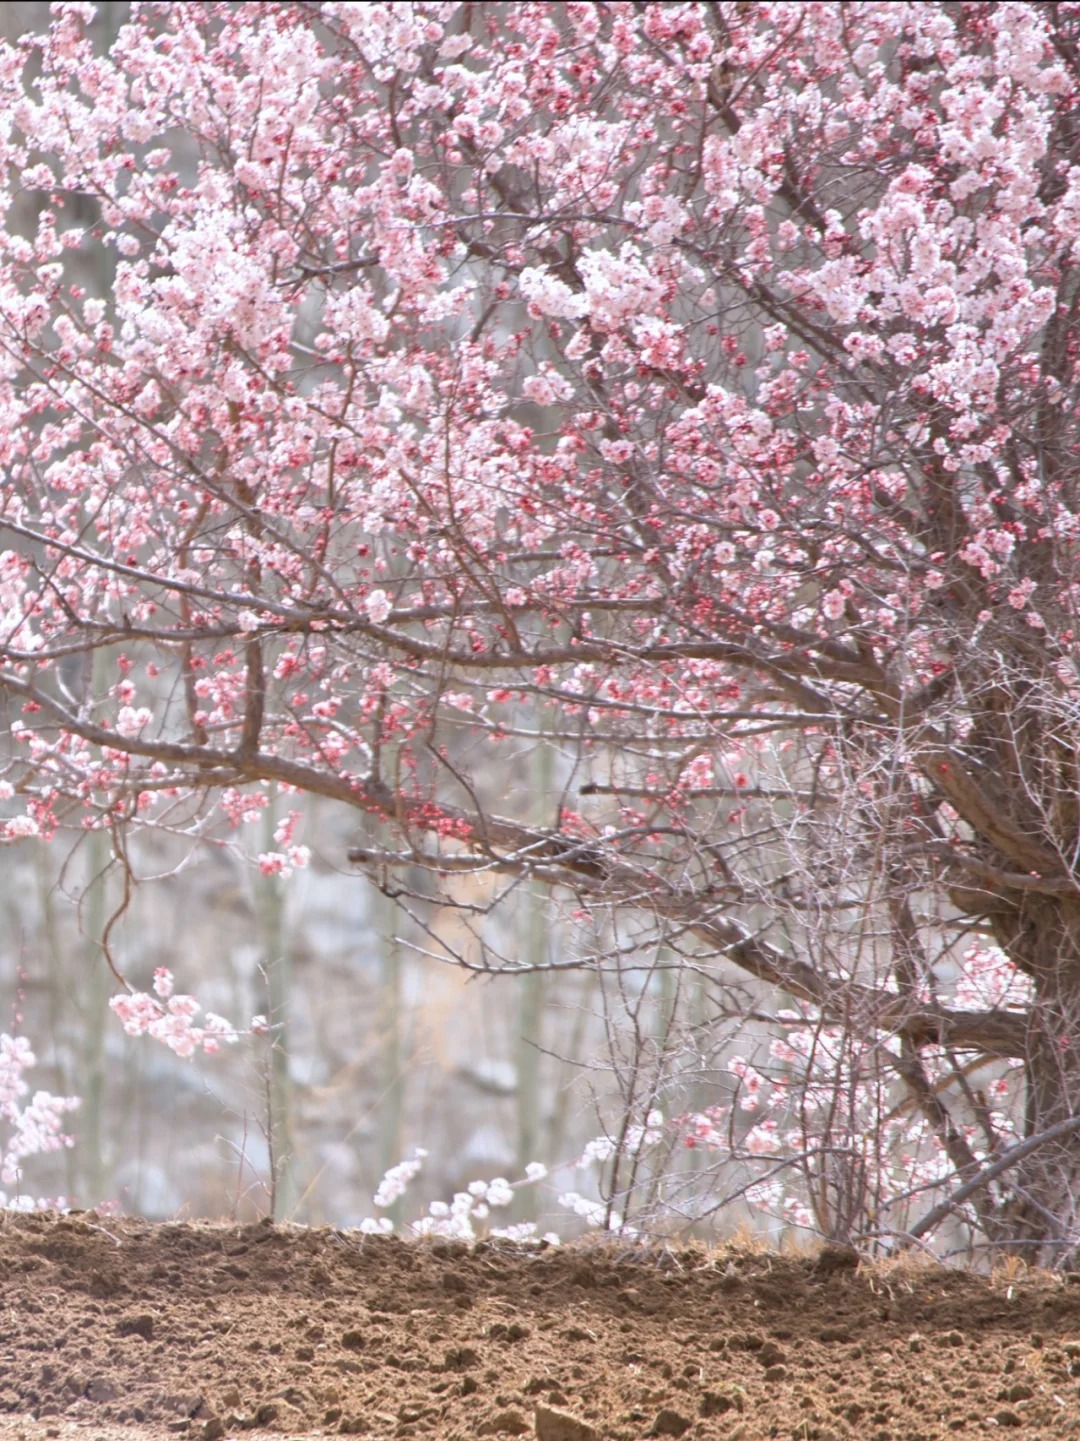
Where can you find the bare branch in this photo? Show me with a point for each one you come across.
(1007, 1161)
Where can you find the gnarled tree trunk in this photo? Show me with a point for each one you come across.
(1042, 1210)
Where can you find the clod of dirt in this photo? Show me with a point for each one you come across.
(506, 1423)
(716, 1403)
(670, 1423)
(1020, 1392)
(951, 1338)
(834, 1259)
(555, 1425)
(460, 1358)
(501, 1332)
(449, 1249)
(834, 1333)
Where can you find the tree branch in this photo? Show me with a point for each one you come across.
(1012, 1157)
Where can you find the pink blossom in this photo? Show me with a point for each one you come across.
(618, 287)
(171, 1019)
(539, 390)
(377, 605)
(547, 295)
(834, 604)
(19, 828)
(697, 774)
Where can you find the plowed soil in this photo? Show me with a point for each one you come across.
(118, 1328)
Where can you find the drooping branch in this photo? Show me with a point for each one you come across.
(561, 860)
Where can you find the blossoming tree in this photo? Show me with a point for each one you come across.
(691, 388)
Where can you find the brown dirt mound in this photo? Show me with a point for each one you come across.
(208, 1331)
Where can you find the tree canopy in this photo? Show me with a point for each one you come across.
(688, 389)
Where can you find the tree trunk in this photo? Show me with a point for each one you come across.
(1042, 1211)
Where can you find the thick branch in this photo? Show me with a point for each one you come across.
(556, 859)
(1005, 1162)
(973, 797)
(998, 883)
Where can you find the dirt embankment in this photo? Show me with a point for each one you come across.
(208, 1331)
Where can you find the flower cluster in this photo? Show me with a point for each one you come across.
(30, 1127)
(171, 1019)
(460, 1217)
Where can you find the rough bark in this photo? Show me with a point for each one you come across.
(1041, 1213)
